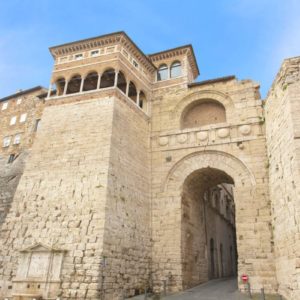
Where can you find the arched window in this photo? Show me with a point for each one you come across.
(132, 93)
(142, 102)
(203, 112)
(60, 86)
(175, 69)
(74, 85)
(162, 73)
(107, 79)
(91, 81)
(122, 82)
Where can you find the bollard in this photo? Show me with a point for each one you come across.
(279, 297)
(249, 290)
(145, 298)
(263, 294)
(123, 295)
(165, 287)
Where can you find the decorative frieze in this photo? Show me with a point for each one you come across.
(209, 136)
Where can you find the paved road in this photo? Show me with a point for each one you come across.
(225, 289)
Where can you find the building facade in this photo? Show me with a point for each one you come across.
(127, 174)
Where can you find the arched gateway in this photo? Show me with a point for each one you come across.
(187, 234)
(141, 176)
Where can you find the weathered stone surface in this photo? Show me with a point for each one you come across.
(282, 112)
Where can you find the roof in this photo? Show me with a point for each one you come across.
(188, 46)
(101, 40)
(110, 38)
(214, 80)
(176, 50)
(23, 92)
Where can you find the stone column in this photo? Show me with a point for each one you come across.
(66, 87)
(81, 84)
(99, 81)
(49, 91)
(116, 78)
(127, 88)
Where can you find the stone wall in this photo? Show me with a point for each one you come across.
(205, 113)
(194, 259)
(22, 103)
(282, 113)
(127, 222)
(236, 148)
(10, 175)
(221, 230)
(61, 197)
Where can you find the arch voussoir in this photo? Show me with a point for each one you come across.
(209, 159)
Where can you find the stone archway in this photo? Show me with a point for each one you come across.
(167, 228)
(228, 163)
(207, 226)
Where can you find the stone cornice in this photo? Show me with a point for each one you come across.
(104, 40)
(175, 52)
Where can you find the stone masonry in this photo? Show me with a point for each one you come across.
(128, 174)
(25, 107)
(282, 112)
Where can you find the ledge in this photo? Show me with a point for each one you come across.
(98, 95)
(214, 80)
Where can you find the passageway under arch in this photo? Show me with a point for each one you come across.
(208, 238)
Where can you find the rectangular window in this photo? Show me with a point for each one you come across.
(37, 125)
(17, 139)
(19, 101)
(135, 63)
(13, 120)
(4, 105)
(6, 141)
(11, 158)
(78, 56)
(23, 118)
(94, 53)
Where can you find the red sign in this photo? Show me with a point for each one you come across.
(245, 278)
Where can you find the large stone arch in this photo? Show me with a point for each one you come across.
(167, 217)
(228, 163)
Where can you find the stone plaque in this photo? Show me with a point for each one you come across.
(39, 265)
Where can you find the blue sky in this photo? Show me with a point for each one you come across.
(246, 38)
